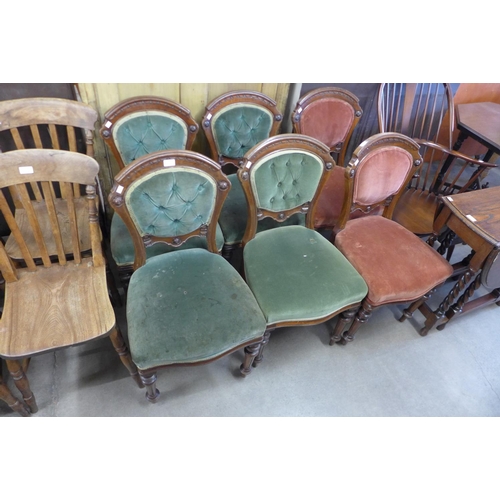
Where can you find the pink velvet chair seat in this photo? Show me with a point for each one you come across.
(402, 271)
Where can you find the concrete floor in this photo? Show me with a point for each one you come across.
(388, 370)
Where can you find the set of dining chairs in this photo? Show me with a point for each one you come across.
(178, 216)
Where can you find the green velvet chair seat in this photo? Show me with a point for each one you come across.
(402, 271)
(195, 305)
(122, 247)
(294, 256)
(233, 217)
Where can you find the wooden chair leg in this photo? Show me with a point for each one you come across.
(362, 316)
(124, 353)
(344, 318)
(408, 312)
(258, 359)
(251, 352)
(17, 373)
(149, 380)
(13, 402)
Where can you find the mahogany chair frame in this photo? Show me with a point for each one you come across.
(59, 288)
(388, 205)
(160, 162)
(228, 99)
(139, 104)
(337, 151)
(256, 213)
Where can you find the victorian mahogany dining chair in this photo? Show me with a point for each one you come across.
(47, 123)
(51, 303)
(134, 128)
(233, 123)
(397, 265)
(297, 275)
(425, 111)
(329, 114)
(190, 306)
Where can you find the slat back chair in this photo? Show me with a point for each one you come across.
(234, 123)
(425, 112)
(397, 265)
(297, 275)
(47, 123)
(190, 306)
(131, 129)
(67, 297)
(329, 114)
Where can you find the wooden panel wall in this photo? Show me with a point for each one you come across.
(195, 96)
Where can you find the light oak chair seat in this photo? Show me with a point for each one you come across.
(40, 209)
(53, 299)
(67, 305)
(416, 210)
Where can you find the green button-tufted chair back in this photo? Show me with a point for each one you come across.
(171, 202)
(283, 176)
(146, 132)
(239, 127)
(145, 124)
(168, 198)
(237, 121)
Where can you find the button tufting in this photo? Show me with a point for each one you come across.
(272, 200)
(279, 184)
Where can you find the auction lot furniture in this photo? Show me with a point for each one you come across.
(475, 218)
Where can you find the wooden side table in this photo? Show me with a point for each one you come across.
(475, 218)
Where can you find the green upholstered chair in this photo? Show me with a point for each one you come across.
(329, 114)
(191, 306)
(396, 264)
(131, 129)
(297, 276)
(233, 123)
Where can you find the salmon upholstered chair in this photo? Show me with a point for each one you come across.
(297, 276)
(329, 114)
(233, 123)
(190, 306)
(397, 265)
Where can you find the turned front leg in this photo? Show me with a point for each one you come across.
(260, 355)
(344, 318)
(149, 380)
(363, 315)
(17, 373)
(251, 352)
(13, 402)
(122, 350)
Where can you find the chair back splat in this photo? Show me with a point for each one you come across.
(189, 306)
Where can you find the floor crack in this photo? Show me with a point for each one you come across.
(54, 388)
